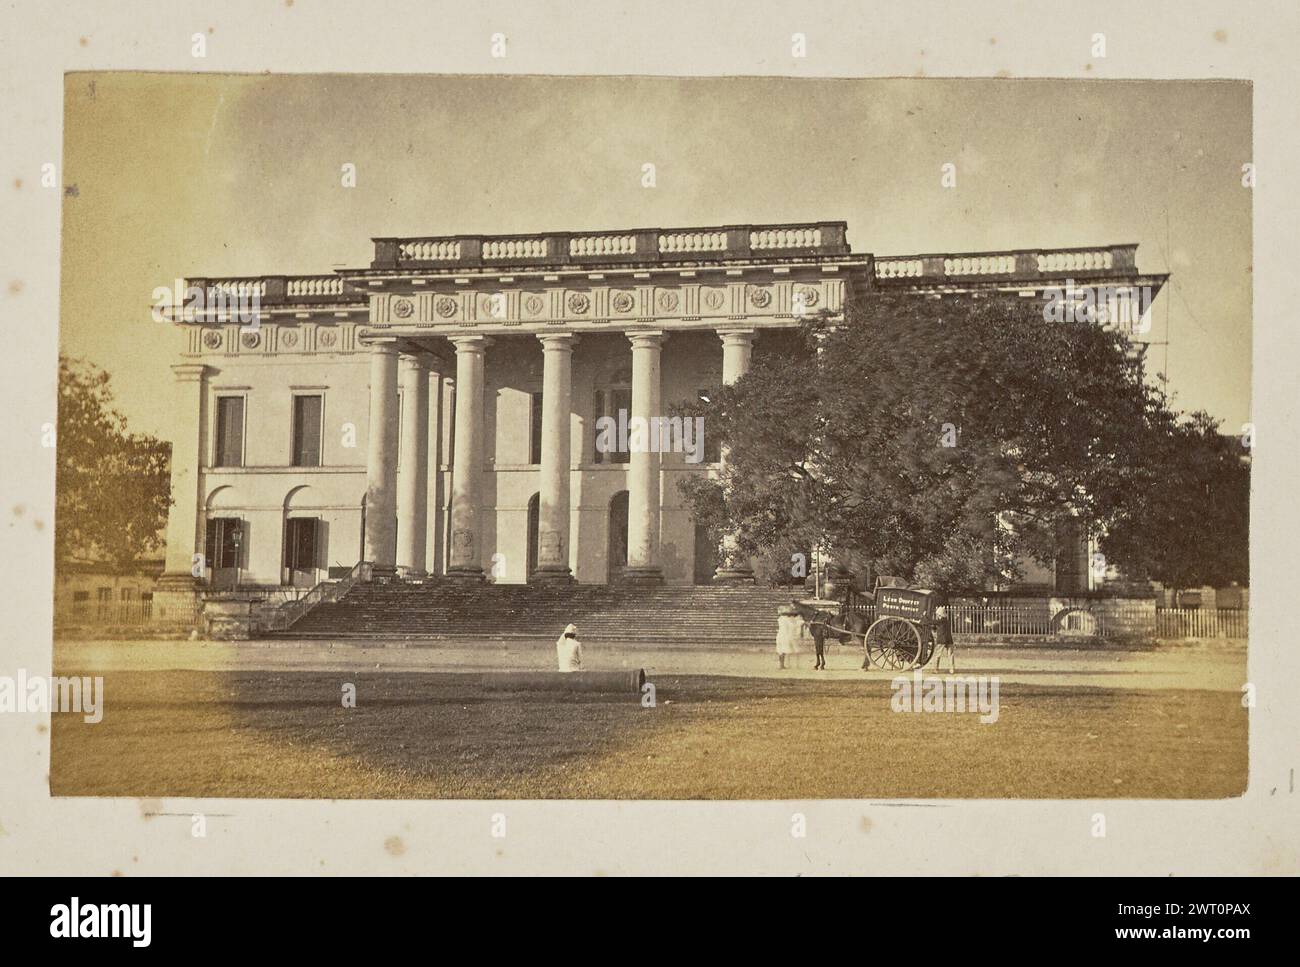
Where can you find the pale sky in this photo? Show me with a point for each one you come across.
(190, 175)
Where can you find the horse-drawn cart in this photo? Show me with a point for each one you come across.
(910, 624)
(901, 627)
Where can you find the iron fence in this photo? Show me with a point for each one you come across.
(1106, 620)
(142, 613)
(1202, 623)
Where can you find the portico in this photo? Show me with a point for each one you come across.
(571, 478)
(477, 300)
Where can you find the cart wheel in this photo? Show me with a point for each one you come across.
(893, 644)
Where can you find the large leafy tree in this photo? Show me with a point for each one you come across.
(1190, 527)
(112, 485)
(943, 438)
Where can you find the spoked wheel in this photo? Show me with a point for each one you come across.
(894, 644)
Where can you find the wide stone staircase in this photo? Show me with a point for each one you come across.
(683, 615)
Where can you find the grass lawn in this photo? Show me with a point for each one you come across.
(425, 735)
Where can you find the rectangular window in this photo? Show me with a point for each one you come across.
(306, 430)
(535, 433)
(1070, 577)
(127, 594)
(712, 445)
(229, 449)
(597, 411)
(104, 594)
(608, 405)
(620, 401)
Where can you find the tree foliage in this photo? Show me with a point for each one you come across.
(945, 439)
(1191, 526)
(112, 485)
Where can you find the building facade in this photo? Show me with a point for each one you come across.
(439, 411)
(86, 591)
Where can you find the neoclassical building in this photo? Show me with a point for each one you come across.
(437, 412)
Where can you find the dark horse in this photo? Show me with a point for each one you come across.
(845, 625)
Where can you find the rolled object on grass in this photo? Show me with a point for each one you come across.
(539, 681)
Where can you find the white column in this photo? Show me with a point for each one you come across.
(185, 518)
(413, 480)
(553, 498)
(467, 470)
(433, 486)
(381, 458)
(643, 469)
(737, 349)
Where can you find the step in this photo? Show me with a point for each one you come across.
(446, 610)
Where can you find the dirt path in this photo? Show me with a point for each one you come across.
(1216, 668)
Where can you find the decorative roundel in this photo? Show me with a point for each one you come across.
(579, 302)
(667, 300)
(446, 307)
(713, 298)
(403, 308)
(810, 296)
(622, 301)
(288, 338)
(533, 304)
(761, 298)
(212, 339)
(251, 340)
(327, 337)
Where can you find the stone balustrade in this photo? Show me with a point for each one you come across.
(744, 243)
(641, 246)
(595, 245)
(280, 290)
(243, 288)
(514, 249)
(1028, 265)
(317, 285)
(785, 238)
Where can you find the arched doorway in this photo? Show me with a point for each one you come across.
(617, 550)
(534, 506)
(226, 535)
(613, 395)
(304, 540)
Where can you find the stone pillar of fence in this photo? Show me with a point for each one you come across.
(228, 617)
(1128, 616)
